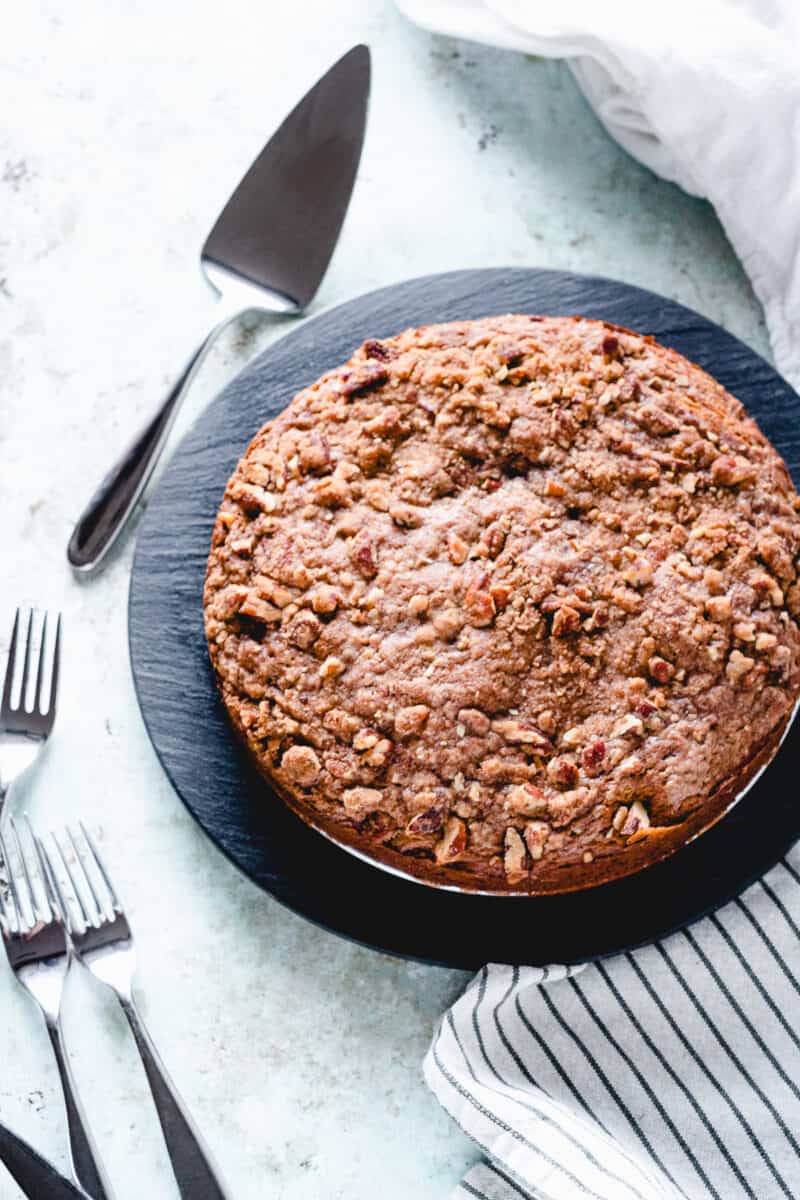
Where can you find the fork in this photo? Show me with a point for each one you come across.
(38, 952)
(103, 942)
(23, 733)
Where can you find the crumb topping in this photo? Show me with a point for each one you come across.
(508, 600)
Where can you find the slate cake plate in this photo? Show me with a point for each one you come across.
(189, 729)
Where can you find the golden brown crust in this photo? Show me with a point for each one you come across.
(509, 604)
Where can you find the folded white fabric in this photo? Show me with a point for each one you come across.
(705, 92)
(669, 1073)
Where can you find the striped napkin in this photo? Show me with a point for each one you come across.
(668, 1073)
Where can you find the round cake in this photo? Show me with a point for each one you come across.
(509, 604)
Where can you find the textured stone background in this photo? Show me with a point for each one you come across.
(122, 129)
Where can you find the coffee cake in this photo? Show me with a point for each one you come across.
(509, 604)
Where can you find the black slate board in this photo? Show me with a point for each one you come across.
(190, 732)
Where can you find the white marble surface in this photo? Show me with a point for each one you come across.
(124, 127)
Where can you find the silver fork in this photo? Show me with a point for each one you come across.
(38, 951)
(103, 942)
(23, 733)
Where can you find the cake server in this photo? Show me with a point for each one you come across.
(268, 251)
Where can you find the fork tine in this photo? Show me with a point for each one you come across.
(12, 659)
(12, 885)
(55, 896)
(73, 882)
(5, 914)
(32, 897)
(23, 687)
(37, 699)
(101, 866)
(51, 704)
(100, 910)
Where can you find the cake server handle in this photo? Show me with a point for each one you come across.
(118, 496)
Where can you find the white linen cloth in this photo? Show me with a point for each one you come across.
(673, 1072)
(669, 1073)
(705, 92)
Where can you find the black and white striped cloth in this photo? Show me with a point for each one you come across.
(668, 1073)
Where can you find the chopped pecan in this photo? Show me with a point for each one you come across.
(639, 574)
(765, 585)
(738, 665)
(593, 756)
(301, 765)
(405, 515)
(362, 379)
(259, 609)
(474, 720)
(515, 857)
(630, 767)
(719, 608)
(563, 772)
(527, 800)
(637, 821)
(386, 421)
(518, 734)
(427, 821)
(546, 721)
(365, 739)
(228, 602)
(566, 620)
(379, 755)
(314, 453)
(479, 607)
(509, 352)
(331, 667)
(563, 428)
(629, 387)
(325, 599)
(628, 724)
(332, 492)
(500, 595)
(566, 807)
(448, 623)
(418, 605)
(453, 842)
(363, 555)
(457, 549)
(410, 720)
(494, 539)
(660, 670)
(774, 553)
(655, 420)
(275, 592)
(730, 470)
(303, 629)
(359, 801)
(376, 349)
(536, 834)
(341, 723)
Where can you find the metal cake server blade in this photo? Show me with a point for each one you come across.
(268, 251)
(34, 1175)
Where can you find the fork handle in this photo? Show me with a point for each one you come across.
(192, 1164)
(86, 1166)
